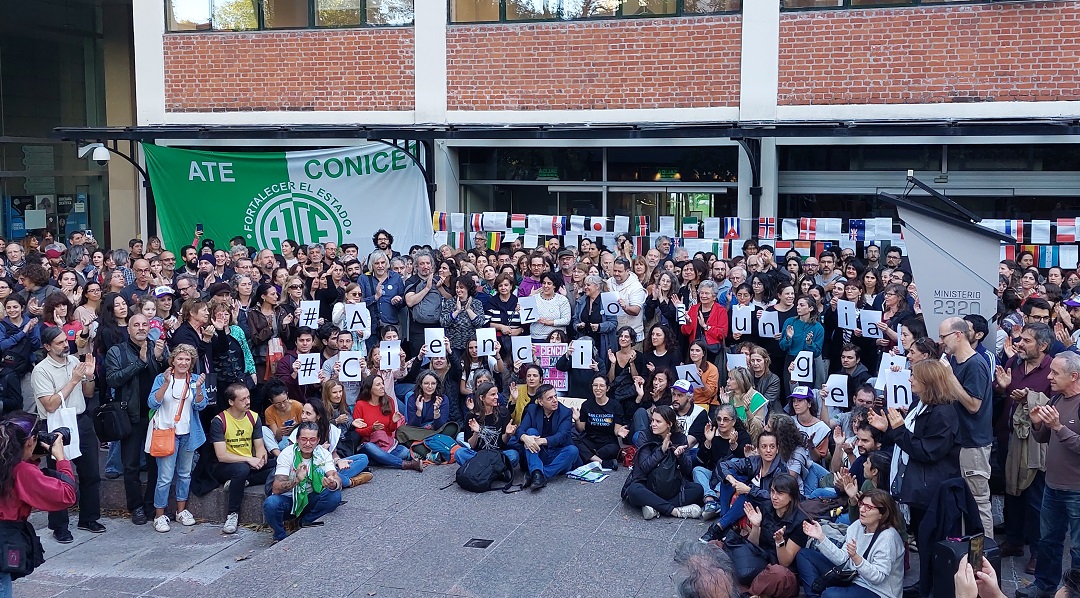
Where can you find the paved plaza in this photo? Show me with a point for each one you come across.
(403, 535)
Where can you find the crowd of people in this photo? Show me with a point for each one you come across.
(198, 351)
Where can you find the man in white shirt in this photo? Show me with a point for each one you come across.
(631, 298)
(60, 380)
(306, 483)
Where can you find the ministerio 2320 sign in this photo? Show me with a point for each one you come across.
(316, 196)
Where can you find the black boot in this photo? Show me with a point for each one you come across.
(715, 532)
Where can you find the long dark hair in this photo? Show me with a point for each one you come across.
(788, 436)
(882, 462)
(385, 403)
(14, 431)
(109, 332)
(669, 339)
(321, 419)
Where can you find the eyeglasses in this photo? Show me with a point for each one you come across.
(1039, 318)
(724, 419)
(865, 506)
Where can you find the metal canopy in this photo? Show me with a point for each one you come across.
(731, 130)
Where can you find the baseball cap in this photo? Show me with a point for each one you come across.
(219, 288)
(1074, 302)
(683, 386)
(163, 290)
(566, 252)
(801, 392)
(53, 254)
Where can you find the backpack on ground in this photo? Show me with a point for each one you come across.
(487, 470)
(437, 448)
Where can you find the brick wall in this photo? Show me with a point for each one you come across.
(349, 69)
(1006, 52)
(638, 63)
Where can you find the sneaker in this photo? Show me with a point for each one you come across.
(611, 464)
(230, 523)
(649, 513)
(63, 536)
(92, 526)
(688, 512)
(185, 518)
(711, 510)
(138, 516)
(713, 533)
(111, 475)
(161, 524)
(225, 488)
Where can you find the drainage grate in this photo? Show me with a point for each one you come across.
(478, 543)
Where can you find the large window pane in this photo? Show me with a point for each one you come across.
(235, 15)
(524, 10)
(860, 157)
(337, 13)
(674, 164)
(285, 13)
(474, 11)
(187, 15)
(641, 8)
(709, 6)
(389, 12)
(531, 164)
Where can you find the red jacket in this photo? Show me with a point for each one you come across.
(717, 322)
(33, 489)
(372, 414)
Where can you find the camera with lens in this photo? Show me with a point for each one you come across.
(45, 439)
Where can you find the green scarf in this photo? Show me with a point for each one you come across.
(299, 494)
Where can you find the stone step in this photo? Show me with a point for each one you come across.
(210, 507)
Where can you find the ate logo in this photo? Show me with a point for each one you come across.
(299, 216)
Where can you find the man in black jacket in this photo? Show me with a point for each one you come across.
(130, 369)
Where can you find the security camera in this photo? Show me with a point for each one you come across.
(100, 155)
(97, 152)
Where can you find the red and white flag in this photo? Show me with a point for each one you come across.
(476, 222)
(807, 229)
(767, 228)
(1066, 230)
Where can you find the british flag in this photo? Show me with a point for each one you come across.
(767, 228)
(857, 229)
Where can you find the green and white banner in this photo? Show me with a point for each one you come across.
(314, 196)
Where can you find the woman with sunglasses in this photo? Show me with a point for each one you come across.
(873, 548)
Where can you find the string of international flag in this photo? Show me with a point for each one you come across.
(1052, 242)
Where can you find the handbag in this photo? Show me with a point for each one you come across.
(840, 576)
(112, 422)
(20, 549)
(747, 559)
(163, 440)
(65, 417)
(666, 480)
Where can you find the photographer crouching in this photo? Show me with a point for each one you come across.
(23, 487)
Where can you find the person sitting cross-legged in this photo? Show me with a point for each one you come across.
(306, 482)
(544, 438)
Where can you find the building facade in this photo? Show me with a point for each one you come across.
(931, 86)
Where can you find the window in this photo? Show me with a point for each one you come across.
(480, 11)
(812, 4)
(859, 157)
(247, 15)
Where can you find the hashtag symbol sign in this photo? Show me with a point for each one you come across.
(307, 368)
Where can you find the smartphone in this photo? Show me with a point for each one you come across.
(290, 422)
(198, 227)
(89, 233)
(975, 551)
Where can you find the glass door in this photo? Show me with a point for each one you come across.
(669, 202)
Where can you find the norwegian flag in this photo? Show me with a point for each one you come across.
(476, 222)
(807, 229)
(1015, 229)
(440, 221)
(1066, 230)
(767, 228)
(517, 223)
(857, 229)
(732, 228)
(643, 226)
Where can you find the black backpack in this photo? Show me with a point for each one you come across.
(489, 467)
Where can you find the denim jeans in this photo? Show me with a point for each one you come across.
(811, 478)
(465, 453)
(394, 458)
(703, 476)
(548, 461)
(357, 464)
(113, 464)
(277, 506)
(810, 565)
(1060, 515)
(5, 585)
(179, 463)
